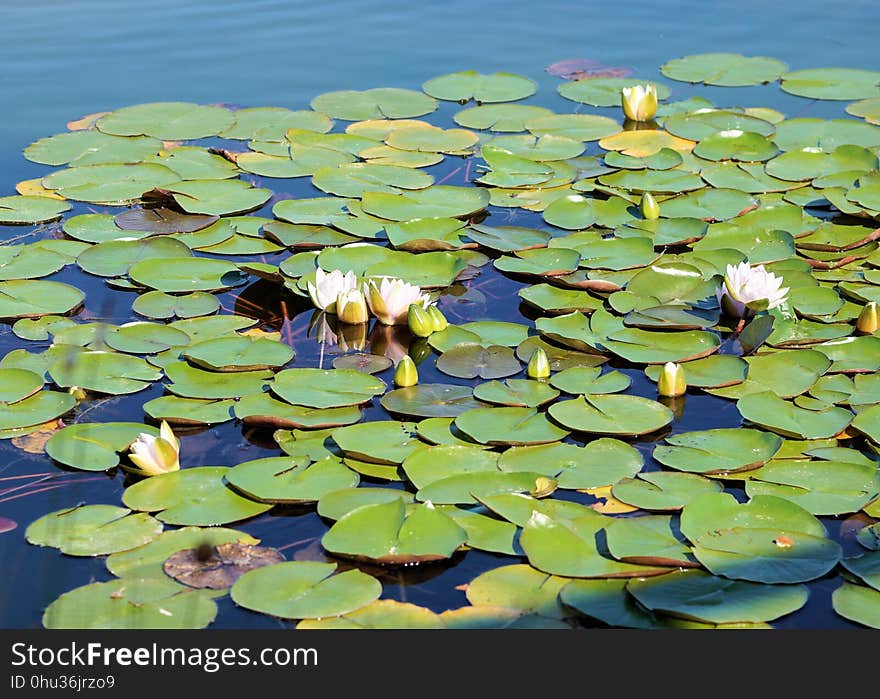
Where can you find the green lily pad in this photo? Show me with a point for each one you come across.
(90, 147)
(29, 298)
(304, 590)
(820, 487)
(109, 183)
(693, 594)
(93, 530)
(167, 121)
(611, 414)
(377, 103)
(162, 306)
(735, 144)
(321, 388)
(519, 587)
(508, 426)
(768, 410)
(469, 488)
(353, 179)
(273, 122)
(650, 540)
(190, 382)
(858, 603)
(598, 464)
(284, 480)
(381, 614)
(832, 83)
(144, 338)
(30, 209)
(104, 372)
(436, 201)
(189, 411)
(194, 496)
(429, 464)
(430, 400)
(217, 197)
(131, 603)
(468, 84)
(186, 274)
(524, 393)
(569, 547)
(382, 442)
(386, 533)
(718, 450)
(587, 381)
(95, 446)
(262, 409)
(471, 360)
(114, 258)
(766, 555)
(555, 301)
(726, 69)
(662, 490)
(239, 354)
(499, 117)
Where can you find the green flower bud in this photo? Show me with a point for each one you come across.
(420, 322)
(672, 381)
(649, 207)
(437, 318)
(539, 365)
(406, 373)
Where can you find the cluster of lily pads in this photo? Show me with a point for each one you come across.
(635, 226)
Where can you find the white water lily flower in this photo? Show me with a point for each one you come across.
(328, 286)
(750, 287)
(391, 298)
(351, 307)
(639, 102)
(156, 455)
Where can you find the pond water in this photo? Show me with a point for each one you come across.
(63, 60)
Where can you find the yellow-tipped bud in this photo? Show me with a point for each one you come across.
(869, 320)
(672, 381)
(543, 487)
(639, 102)
(649, 207)
(351, 307)
(406, 373)
(539, 365)
(421, 324)
(77, 392)
(438, 319)
(153, 456)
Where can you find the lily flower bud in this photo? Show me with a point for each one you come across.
(406, 373)
(539, 365)
(672, 381)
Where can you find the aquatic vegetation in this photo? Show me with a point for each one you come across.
(439, 342)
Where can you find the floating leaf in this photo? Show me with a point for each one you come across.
(131, 603)
(195, 496)
(93, 530)
(95, 447)
(304, 590)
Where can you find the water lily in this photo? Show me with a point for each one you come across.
(869, 320)
(437, 318)
(539, 365)
(156, 455)
(752, 288)
(649, 207)
(420, 322)
(406, 373)
(351, 307)
(639, 102)
(390, 299)
(328, 286)
(672, 381)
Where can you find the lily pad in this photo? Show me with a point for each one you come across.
(718, 450)
(693, 594)
(386, 533)
(285, 480)
(430, 400)
(611, 415)
(508, 426)
(304, 590)
(93, 530)
(726, 69)
(468, 84)
(858, 603)
(194, 496)
(131, 603)
(167, 121)
(95, 446)
(321, 388)
(376, 103)
(22, 210)
(470, 360)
